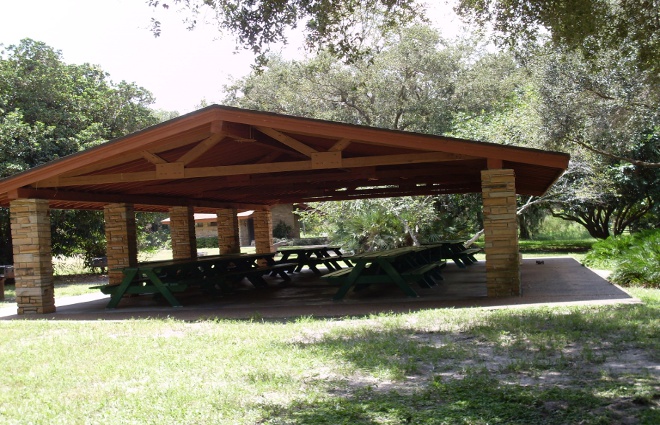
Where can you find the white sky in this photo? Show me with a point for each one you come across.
(181, 67)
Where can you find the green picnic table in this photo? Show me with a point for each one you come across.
(209, 274)
(313, 255)
(454, 250)
(400, 266)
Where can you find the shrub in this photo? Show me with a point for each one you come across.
(209, 242)
(634, 259)
(282, 230)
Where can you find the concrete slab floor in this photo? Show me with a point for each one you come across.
(546, 281)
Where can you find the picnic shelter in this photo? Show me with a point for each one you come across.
(223, 160)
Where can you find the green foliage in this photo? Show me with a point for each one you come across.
(342, 26)
(585, 26)
(552, 228)
(282, 230)
(566, 246)
(634, 259)
(152, 235)
(78, 232)
(375, 224)
(50, 109)
(209, 242)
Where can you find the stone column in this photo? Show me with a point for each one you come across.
(228, 235)
(33, 264)
(120, 235)
(182, 233)
(501, 232)
(263, 231)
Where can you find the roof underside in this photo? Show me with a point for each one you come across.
(221, 157)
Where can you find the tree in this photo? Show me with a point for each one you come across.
(608, 196)
(416, 81)
(341, 26)
(50, 109)
(585, 26)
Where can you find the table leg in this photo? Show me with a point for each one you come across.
(162, 288)
(350, 281)
(396, 278)
(123, 286)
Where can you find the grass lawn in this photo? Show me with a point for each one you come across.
(542, 365)
(561, 365)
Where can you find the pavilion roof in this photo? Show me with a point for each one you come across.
(220, 157)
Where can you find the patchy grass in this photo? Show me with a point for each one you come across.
(588, 365)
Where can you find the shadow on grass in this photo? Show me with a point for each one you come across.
(449, 378)
(478, 398)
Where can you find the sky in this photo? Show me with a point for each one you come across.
(181, 68)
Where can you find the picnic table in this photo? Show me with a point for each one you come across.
(454, 250)
(313, 255)
(400, 266)
(210, 274)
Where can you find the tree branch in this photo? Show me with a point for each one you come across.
(613, 156)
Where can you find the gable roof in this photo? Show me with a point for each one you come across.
(220, 157)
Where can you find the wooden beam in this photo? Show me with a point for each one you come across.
(201, 148)
(274, 167)
(132, 156)
(494, 163)
(101, 198)
(398, 139)
(340, 145)
(287, 140)
(152, 157)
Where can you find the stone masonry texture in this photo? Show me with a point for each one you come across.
(228, 234)
(30, 231)
(120, 234)
(263, 231)
(501, 233)
(182, 233)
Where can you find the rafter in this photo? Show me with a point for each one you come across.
(340, 145)
(201, 148)
(152, 157)
(288, 140)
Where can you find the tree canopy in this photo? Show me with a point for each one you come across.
(50, 109)
(417, 81)
(585, 26)
(343, 27)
